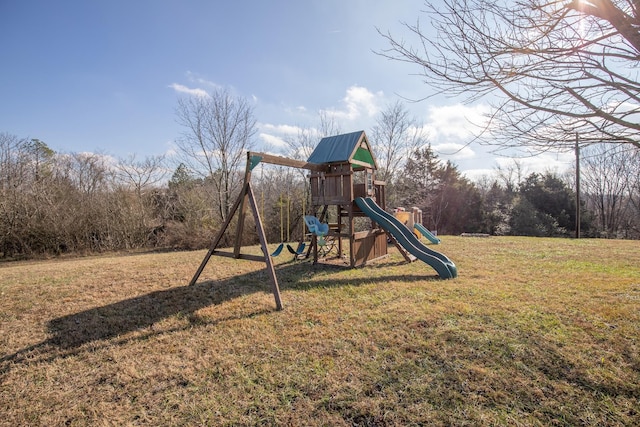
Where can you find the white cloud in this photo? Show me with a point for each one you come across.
(477, 174)
(195, 78)
(281, 129)
(272, 140)
(358, 102)
(105, 159)
(452, 127)
(276, 136)
(189, 91)
(455, 121)
(545, 162)
(454, 151)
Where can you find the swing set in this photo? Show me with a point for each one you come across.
(247, 200)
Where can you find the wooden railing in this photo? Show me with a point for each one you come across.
(334, 187)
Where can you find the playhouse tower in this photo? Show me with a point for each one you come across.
(349, 172)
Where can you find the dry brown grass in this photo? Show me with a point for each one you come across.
(532, 332)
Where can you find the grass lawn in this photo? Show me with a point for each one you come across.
(532, 332)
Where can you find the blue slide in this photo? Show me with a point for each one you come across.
(426, 233)
(445, 268)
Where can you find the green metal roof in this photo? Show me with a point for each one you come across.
(343, 148)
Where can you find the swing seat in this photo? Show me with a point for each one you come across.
(315, 226)
(278, 250)
(298, 251)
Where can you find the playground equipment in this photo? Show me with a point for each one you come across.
(343, 186)
(316, 227)
(278, 250)
(426, 233)
(412, 219)
(298, 253)
(325, 243)
(285, 229)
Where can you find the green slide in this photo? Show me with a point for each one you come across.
(426, 233)
(445, 268)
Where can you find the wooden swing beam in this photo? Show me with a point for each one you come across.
(246, 198)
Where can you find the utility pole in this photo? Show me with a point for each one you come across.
(577, 188)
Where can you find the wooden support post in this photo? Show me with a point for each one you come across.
(339, 215)
(263, 244)
(314, 245)
(314, 238)
(240, 226)
(243, 206)
(352, 252)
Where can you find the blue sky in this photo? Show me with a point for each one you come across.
(105, 76)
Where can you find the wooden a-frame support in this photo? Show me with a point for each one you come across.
(241, 202)
(246, 198)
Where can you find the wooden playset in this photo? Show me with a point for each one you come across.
(342, 176)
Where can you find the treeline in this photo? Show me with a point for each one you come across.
(534, 204)
(53, 203)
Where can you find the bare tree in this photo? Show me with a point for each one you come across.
(90, 173)
(141, 174)
(328, 124)
(11, 148)
(94, 219)
(510, 175)
(140, 178)
(553, 67)
(634, 192)
(302, 145)
(28, 201)
(608, 177)
(12, 206)
(395, 137)
(219, 128)
(634, 185)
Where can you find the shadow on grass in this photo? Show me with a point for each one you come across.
(113, 321)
